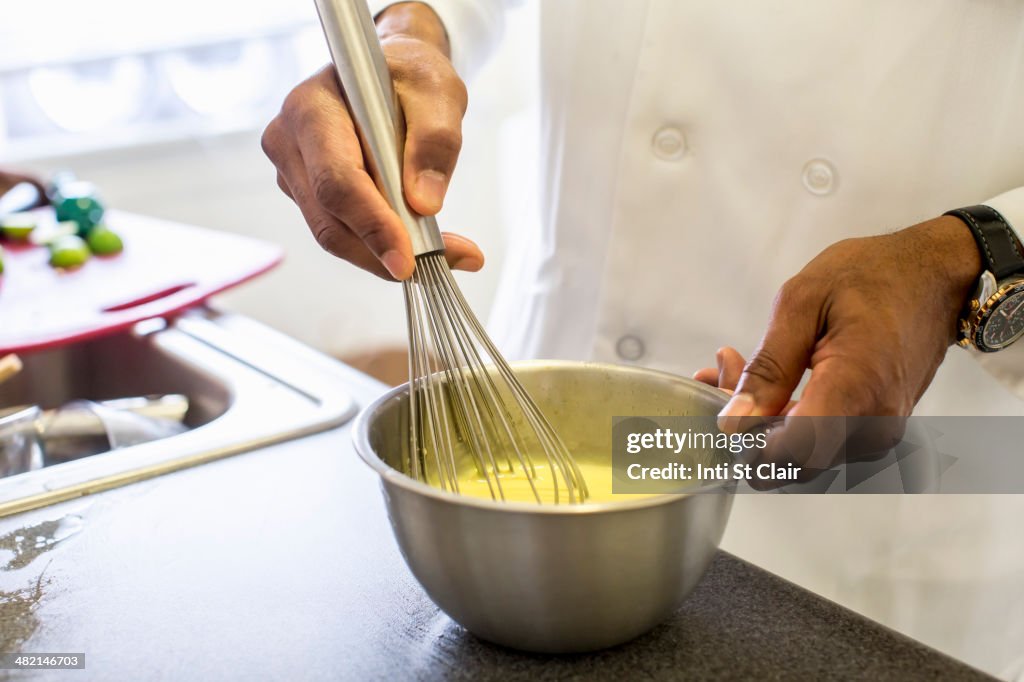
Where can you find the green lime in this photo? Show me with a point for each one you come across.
(69, 251)
(18, 226)
(103, 241)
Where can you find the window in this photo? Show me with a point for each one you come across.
(83, 75)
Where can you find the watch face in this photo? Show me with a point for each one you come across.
(1003, 322)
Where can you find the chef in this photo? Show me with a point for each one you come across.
(820, 185)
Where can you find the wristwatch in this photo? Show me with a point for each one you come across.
(994, 317)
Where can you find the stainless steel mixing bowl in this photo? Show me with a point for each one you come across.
(547, 578)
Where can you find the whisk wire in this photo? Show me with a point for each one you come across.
(494, 402)
(455, 348)
(455, 396)
(555, 450)
(412, 460)
(427, 405)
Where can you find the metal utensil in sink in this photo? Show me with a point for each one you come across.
(20, 450)
(82, 427)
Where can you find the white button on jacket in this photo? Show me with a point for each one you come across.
(669, 144)
(630, 348)
(701, 153)
(819, 177)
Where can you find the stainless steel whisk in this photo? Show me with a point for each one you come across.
(465, 402)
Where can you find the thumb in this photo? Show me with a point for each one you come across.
(462, 253)
(432, 144)
(778, 364)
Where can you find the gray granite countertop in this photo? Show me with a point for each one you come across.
(280, 564)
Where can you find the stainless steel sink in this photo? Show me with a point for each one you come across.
(247, 385)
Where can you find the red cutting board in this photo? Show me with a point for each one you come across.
(165, 268)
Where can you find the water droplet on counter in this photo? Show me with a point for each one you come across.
(44, 537)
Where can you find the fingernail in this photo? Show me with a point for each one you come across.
(395, 263)
(739, 406)
(471, 263)
(430, 187)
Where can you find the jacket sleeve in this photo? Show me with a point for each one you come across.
(1008, 365)
(474, 28)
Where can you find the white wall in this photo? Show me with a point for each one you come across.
(225, 182)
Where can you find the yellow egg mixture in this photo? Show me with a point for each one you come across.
(516, 485)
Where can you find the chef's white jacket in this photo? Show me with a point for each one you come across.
(696, 155)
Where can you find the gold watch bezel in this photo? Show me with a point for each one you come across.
(972, 325)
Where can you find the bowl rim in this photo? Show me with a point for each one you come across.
(393, 476)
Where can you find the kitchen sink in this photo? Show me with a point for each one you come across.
(247, 386)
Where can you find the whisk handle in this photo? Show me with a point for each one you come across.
(367, 88)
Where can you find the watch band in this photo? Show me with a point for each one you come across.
(1001, 253)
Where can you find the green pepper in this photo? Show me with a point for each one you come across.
(87, 211)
